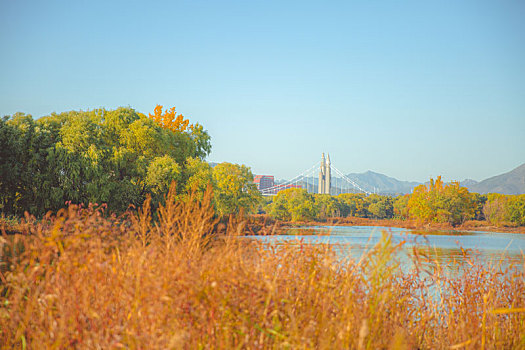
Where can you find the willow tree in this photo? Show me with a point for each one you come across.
(234, 189)
(116, 157)
(294, 204)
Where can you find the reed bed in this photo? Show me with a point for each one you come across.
(81, 279)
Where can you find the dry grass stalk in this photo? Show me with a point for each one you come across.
(83, 280)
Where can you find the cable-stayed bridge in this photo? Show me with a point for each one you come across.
(318, 179)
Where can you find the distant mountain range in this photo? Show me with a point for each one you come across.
(512, 182)
(375, 182)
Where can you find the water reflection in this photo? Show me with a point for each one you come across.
(455, 250)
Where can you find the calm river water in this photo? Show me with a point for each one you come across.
(453, 248)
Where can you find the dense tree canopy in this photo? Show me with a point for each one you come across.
(505, 209)
(442, 203)
(113, 156)
(435, 202)
(381, 207)
(293, 204)
(234, 189)
(119, 157)
(298, 205)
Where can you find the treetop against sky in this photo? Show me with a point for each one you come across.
(410, 89)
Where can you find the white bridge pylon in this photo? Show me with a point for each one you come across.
(308, 180)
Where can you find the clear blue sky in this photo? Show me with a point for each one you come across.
(406, 88)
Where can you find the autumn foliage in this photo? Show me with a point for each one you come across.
(505, 210)
(438, 202)
(117, 157)
(169, 119)
(82, 280)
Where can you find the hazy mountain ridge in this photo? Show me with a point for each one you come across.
(468, 182)
(512, 182)
(380, 183)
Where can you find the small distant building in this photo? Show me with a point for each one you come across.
(267, 182)
(264, 181)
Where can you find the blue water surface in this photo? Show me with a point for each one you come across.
(445, 247)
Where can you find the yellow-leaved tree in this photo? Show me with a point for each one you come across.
(169, 119)
(442, 203)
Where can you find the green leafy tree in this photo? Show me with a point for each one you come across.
(162, 171)
(234, 189)
(353, 204)
(25, 180)
(380, 207)
(116, 157)
(294, 204)
(11, 150)
(198, 175)
(201, 140)
(480, 200)
(517, 209)
(326, 206)
(460, 205)
(400, 206)
(170, 120)
(500, 209)
(278, 208)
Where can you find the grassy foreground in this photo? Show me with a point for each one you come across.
(82, 280)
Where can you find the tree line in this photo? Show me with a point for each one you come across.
(121, 157)
(117, 157)
(435, 202)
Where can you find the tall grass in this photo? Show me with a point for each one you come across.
(82, 280)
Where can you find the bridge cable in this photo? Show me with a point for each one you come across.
(289, 182)
(348, 180)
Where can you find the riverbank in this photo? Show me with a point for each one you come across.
(84, 280)
(261, 224)
(264, 225)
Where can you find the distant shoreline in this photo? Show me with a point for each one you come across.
(264, 225)
(261, 224)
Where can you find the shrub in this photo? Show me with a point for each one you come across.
(85, 280)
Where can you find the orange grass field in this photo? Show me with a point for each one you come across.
(81, 279)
